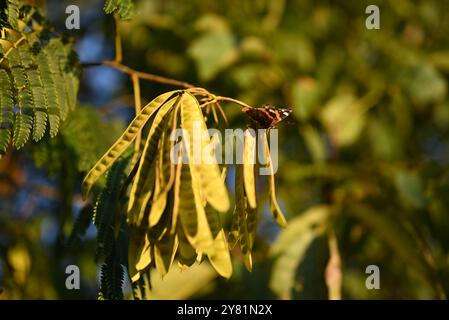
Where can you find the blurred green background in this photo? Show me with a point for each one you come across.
(364, 159)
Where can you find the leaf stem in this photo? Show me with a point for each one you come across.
(220, 98)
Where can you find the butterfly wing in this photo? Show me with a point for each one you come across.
(267, 116)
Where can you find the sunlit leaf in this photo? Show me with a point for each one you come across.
(164, 253)
(274, 206)
(249, 156)
(138, 254)
(203, 166)
(124, 141)
(218, 253)
(193, 280)
(143, 184)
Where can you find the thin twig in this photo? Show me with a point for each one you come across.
(155, 78)
(220, 98)
(14, 46)
(143, 75)
(136, 75)
(214, 114)
(222, 113)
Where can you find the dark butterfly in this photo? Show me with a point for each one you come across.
(267, 117)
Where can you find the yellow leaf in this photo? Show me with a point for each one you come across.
(234, 235)
(159, 199)
(165, 172)
(207, 171)
(218, 253)
(241, 210)
(186, 253)
(181, 284)
(139, 256)
(248, 260)
(191, 211)
(176, 193)
(164, 253)
(124, 141)
(141, 190)
(249, 153)
(274, 206)
(251, 225)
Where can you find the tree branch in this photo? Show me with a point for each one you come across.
(136, 75)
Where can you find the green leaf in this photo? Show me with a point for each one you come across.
(22, 128)
(315, 143)
(12, 12)
(344, 119)
(51, 94)
(106, 208)
(41, 74)
(112, 278)
(424, 84)
(37, 92)
(306, 96)
(23, 120)
(410, 188)
(124, 8)
(213, 52)
(82, 223)
(89, 135)
(6, 111)
(55, 52)
(291, 245)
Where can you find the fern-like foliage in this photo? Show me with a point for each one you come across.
(9, 13)
(111, 240)
(84, 137)
(124, 8)
(112, 277)
(82, 223)
(38, 77)
(6, 111)
(107, 209)
(89, 135)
